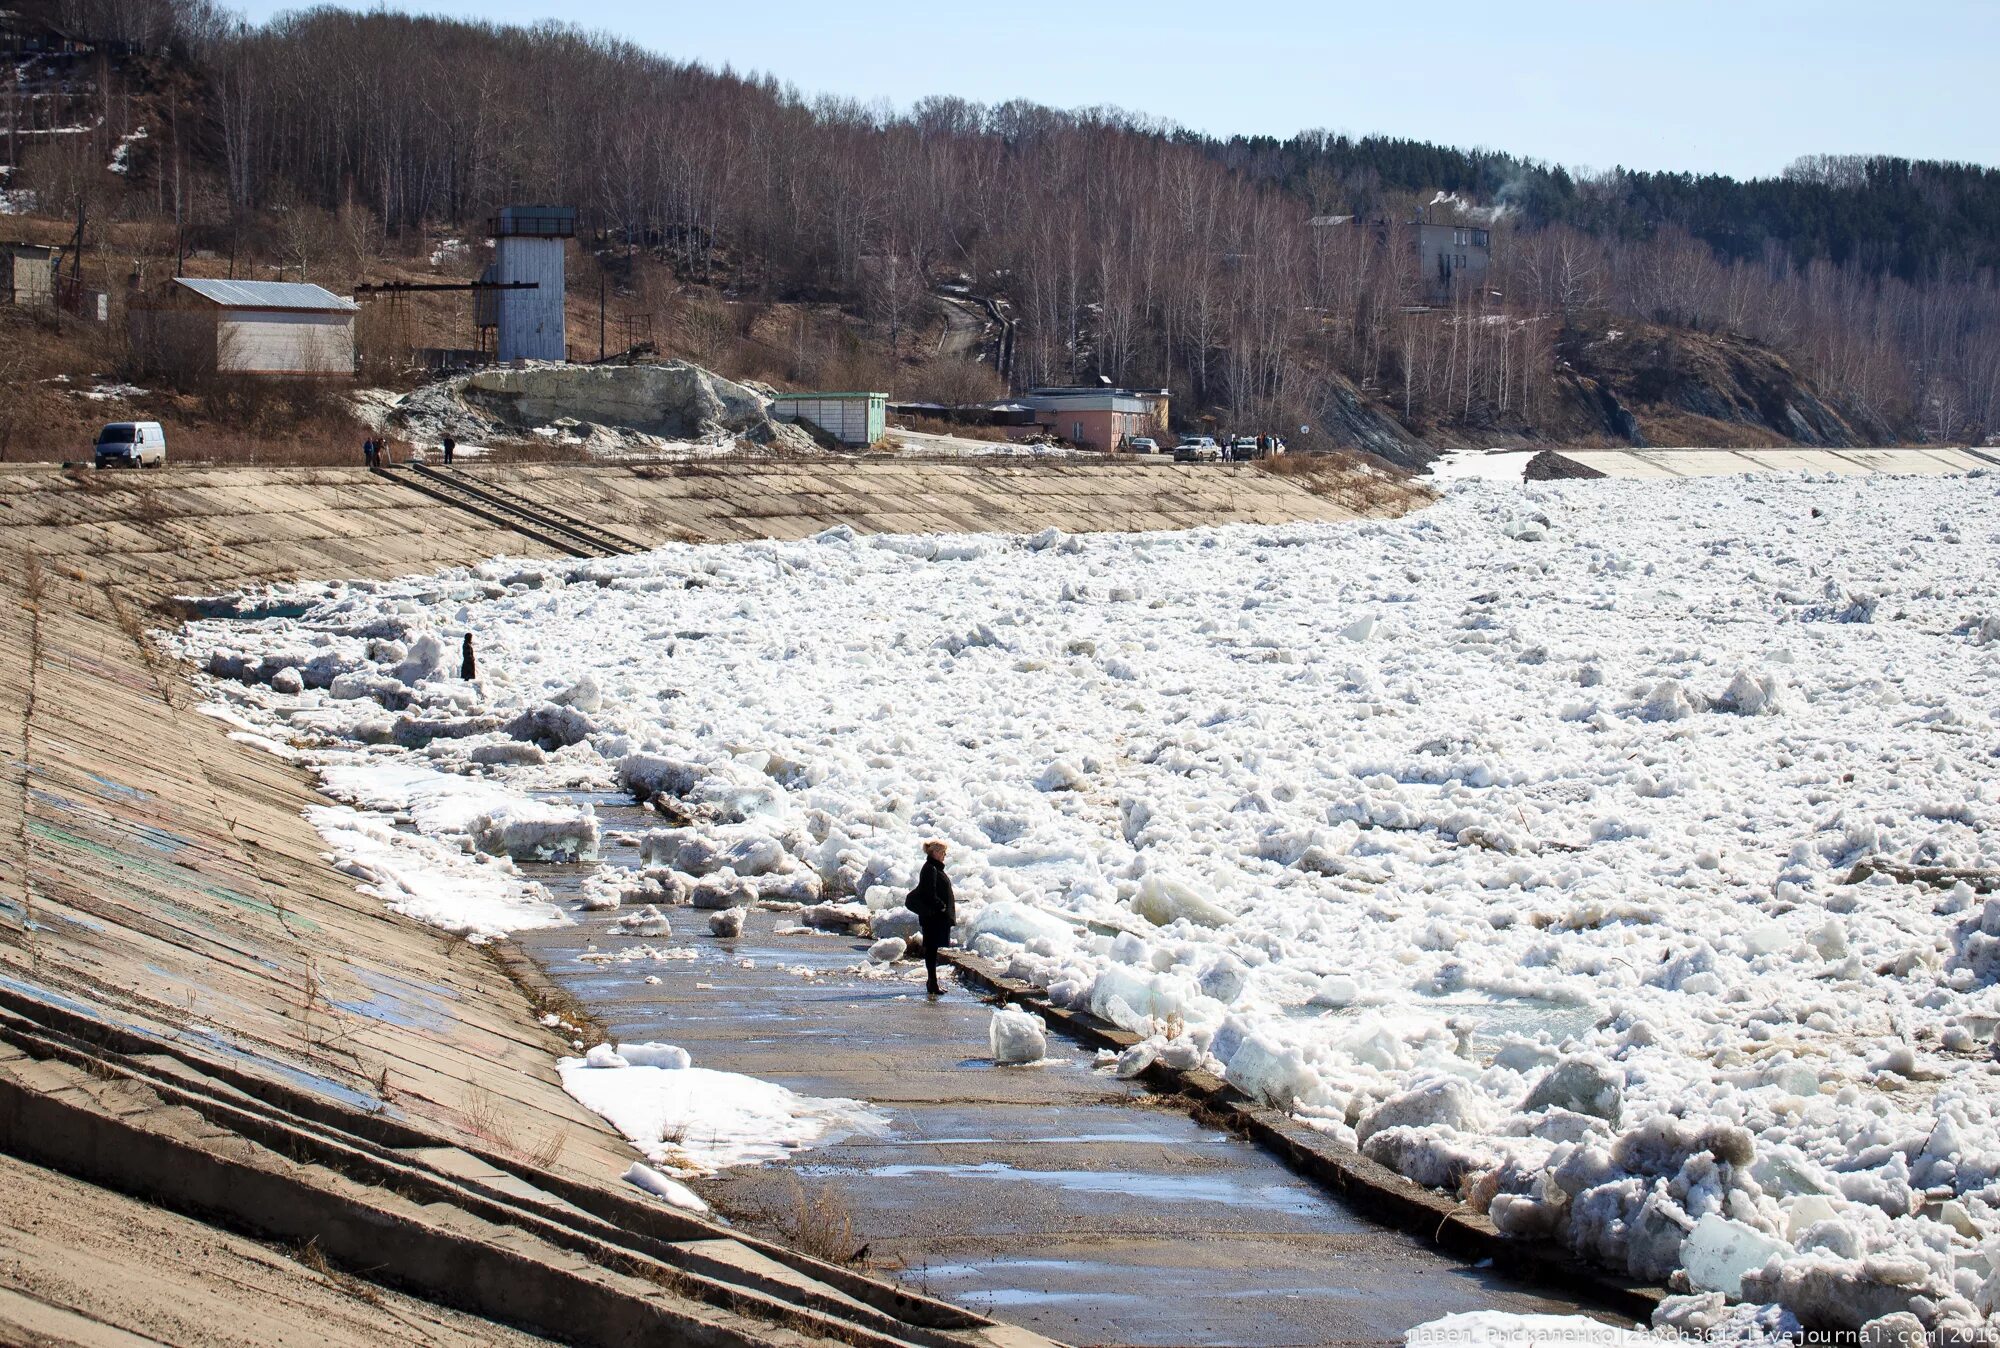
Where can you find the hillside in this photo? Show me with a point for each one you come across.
(806, 242)
(1645, 384)
(1900, 217)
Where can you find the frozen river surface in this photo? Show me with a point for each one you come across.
(1610, 853)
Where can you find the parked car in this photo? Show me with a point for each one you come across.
(1197, 449)
(131, 444)
(1246, 447)
(1144, 444)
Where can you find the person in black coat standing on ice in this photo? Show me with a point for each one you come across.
(936, 909)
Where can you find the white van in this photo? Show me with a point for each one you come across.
(131, 444)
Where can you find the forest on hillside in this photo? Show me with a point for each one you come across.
(1124, 247)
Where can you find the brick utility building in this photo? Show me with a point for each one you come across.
(247, 327)
(1099, 418)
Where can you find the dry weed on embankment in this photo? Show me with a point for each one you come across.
(1361, 482)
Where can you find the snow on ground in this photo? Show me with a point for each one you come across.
(693, 1121)
(1699, 1318)
(121, 158)
(927, 444)
(491, 817)
(14, 200)
(373, 407)
(113, 392)
(1514, 841)
(1486, 465)
(1503, 1329)
(663, 1186)
(423, 878)
(100, 391)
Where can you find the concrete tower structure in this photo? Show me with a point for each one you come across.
(528, 244)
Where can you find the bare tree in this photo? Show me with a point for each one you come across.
(1123, 248)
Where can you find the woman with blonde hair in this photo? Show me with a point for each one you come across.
(936, 909)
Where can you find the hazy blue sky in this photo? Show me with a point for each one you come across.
(1742, 87)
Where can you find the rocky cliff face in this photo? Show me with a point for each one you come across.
(1648, 385)
(1635, 384)
(1351, 420)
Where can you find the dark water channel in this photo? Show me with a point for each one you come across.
(1053, 1196)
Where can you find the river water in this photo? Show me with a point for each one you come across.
(1054, 1196)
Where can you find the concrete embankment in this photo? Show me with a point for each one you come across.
(198, 1012)
(229, 526)
(1653, 464)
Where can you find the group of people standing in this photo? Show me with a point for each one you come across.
(375, 453)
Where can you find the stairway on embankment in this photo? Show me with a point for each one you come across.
(198, 1012)
(505, 508)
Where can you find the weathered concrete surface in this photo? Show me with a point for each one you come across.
(1053, 1196)
(522, 1258)
(1663, 463)
(82, 1265)
(162, 876)
(162, 899)
(149, 532)
(195, 526)
(710, 503)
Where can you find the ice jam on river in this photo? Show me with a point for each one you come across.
(1609, 854)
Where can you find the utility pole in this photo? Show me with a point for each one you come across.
(14, 81)
(76, 245)
(600, 313)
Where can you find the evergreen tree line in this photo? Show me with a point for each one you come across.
(1911, 219)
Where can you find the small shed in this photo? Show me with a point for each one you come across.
(850, 418)
(28, 273)
(248, 327)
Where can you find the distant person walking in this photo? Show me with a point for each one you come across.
(449, 445)
(936, 909)
(468, 668)
(371, 453)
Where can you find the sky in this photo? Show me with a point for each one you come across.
(1740, 87)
